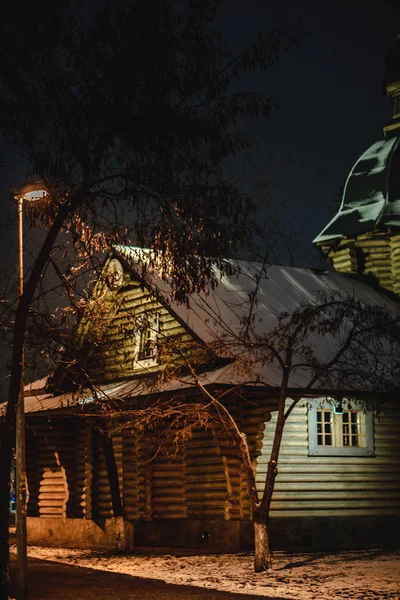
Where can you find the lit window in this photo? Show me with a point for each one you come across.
(339, 428)
(146, 340)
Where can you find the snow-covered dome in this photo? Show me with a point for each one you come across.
(371, 197)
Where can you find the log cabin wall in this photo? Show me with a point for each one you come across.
(334, 501)
(110, 346)
(55, 468)
(101, 493)
(137, 481)
(196, 495)
(376, 254)
(188, 495)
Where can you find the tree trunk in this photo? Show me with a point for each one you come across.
(5, 467)
(262, 551)
(7, 441)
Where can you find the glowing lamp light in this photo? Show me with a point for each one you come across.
(30, 192)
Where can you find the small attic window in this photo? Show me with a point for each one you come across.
(146, 340)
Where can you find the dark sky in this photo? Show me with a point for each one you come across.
(331, 109)
(331, 104)
(330, 97)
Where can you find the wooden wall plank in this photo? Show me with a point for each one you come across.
(309, 485)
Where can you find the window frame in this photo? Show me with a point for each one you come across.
(328, 404)
(147, 322)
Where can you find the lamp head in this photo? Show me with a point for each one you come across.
(29, 192)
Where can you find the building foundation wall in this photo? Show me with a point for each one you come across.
(291, 534)
(80, 533)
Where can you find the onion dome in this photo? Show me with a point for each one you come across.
(371, 197)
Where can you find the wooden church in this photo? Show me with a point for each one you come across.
(339, 472)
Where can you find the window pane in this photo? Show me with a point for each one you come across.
(347, 433)
(325, 428)
(351, 421)
(147, 344)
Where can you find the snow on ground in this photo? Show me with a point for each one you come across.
(358, 575)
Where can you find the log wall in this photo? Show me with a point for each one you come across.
(203, 478)
(114, 343)
(55, 468)
(375, 254)
(334, 486)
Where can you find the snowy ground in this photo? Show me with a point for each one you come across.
(360, 575)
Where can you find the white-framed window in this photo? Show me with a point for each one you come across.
(146, 340)
(339, 428)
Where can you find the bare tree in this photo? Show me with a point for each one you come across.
(339, 341)
(127, 114)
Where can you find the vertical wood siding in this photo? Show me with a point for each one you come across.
(311, 486)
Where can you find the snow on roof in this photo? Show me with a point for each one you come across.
(371, 197)
(220, 313)
(280, 289)
(210, 316)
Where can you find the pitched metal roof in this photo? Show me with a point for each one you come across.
(210, 316)
(371, 197)
(219, 315)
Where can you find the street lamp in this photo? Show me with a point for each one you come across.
(30, 192)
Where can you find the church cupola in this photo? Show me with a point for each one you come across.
(364, 235)
(392, 86)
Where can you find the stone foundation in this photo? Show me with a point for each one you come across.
(335, 533)
(113, 534)
(310, 534)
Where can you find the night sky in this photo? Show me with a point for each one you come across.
(331, 105)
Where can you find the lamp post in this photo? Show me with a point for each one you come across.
(29, 192)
